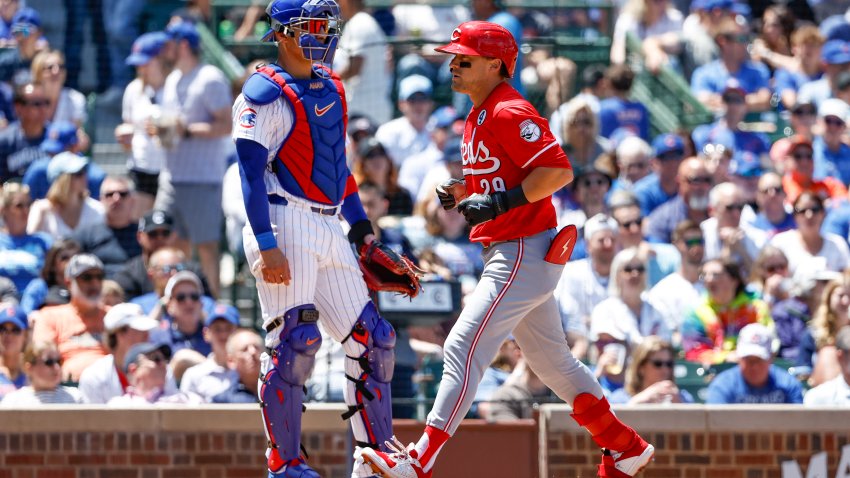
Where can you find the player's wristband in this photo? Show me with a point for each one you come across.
(266, 241)
(359, 230)
(505, 200)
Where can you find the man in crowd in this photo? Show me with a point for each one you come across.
(773, 216)
(668, 151)
(146, 368)
(408, 135)
(692, 202)
(20, 141)
(213, 376)
(725, 236)
(243, 357)
(837, 390)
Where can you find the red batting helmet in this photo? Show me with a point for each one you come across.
(478, 38)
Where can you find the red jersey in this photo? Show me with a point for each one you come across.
(503, 141)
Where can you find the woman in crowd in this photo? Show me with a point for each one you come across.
(43, 366)
(66, 104)
(656, 23)
(50, 289)
(649, 376)
(807, 244)
(817, 348)
(67, 207)
(710, 330)
(373, 164)
(21, 254)
(773, 45)
(580, 133)
(13, 339)
(770, 279)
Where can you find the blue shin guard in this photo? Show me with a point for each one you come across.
(372, 400)
(282, 389)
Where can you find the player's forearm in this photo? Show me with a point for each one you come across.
(543, 182)
(252, 159)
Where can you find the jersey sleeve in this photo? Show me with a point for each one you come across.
(527, 138)
(258, 122)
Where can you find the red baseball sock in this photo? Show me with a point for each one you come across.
(429, 446)
(605, 428)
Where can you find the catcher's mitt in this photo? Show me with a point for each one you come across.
(384, 269)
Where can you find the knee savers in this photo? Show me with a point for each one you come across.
(378, 336)
(282, 390)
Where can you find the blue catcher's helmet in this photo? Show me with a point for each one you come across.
(315, 24)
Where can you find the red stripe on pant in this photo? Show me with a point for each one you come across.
(487, 316)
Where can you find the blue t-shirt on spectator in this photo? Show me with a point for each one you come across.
(615, 113)
(148, 301)
(729, 387)
(831, 163)
(712, 77)
(785, 80)
(621, 397)
(649, 193)
(761, 223)
(815, 92)
(22, 257)
(719, 133)
(837, 221)
(167, 333)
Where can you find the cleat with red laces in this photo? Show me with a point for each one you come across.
(401, 463)
(627, 463)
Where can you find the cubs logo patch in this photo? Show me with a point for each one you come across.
(529, 131)
(248, 118)
(482, 116)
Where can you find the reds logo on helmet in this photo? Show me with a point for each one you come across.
(247, 118)
(479, 38)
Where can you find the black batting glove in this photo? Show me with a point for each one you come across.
(445, 195)
(480, 208)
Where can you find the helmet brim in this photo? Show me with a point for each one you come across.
(457, 49)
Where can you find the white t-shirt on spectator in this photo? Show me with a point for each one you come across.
(413, 173)
(71, 107)
(43, 218)
(99, 382)
(834, 250)
(613, 317)
(434, 23)
(675, 296)
(402, 140)
(368, 92)
(833, 392)
(27, 397)
(754, 239)
(141, 104)
(671, 21)
(208, 379)
(577, 293)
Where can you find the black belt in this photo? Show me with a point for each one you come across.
(282, 201)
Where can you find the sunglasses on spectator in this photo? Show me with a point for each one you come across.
(593, 182)
(734, 207)
(772, 190)
(90, 276)
(159, 233)
(193, 296)
(50, 362)
(20, 205)
(804, 112)
(740, 38)
(694, 242)
(832, 121)
(582, 122)
(629, 224)
(36, 103)
(801, 156)
(734, 99)
(11, 331)
(120, 194)
(700, 180)
(671, 156)
(662, 363)
(168, 269)
(806, 210)
(636, 268)
(774, 268)
(157, 358)
(65, 257)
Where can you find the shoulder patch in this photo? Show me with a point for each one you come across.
(247, 118)
(529, 131)
(260, 89)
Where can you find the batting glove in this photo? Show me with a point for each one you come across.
(445, 194)
(480, 208)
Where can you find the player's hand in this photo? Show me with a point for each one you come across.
(480, 208)
(451, 192)
(275, 267)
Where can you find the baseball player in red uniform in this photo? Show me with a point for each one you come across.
(511, 165)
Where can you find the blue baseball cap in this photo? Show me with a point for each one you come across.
(145, 348)
(836, 52)
(746, 164)
(184, 31)
(223, 312)
(667, 143)
(60, 136)
(65, 163)
(835, 27)
(146, 47)
(451, 150)
(12, 314)
(717, 4)
(415, 84)
(442, 117)
(26, 17)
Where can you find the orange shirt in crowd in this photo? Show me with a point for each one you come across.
(826, 188)
(79, 340)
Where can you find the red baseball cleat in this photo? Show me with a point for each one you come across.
(627, 463)
(402, 463)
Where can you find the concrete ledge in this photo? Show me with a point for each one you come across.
(205, 418)
(710, 418)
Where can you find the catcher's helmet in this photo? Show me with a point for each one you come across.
(314, 23)
(479, 38)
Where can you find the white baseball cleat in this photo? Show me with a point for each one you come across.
(401, 463)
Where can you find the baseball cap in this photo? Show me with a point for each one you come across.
(599, 223)
(357, 125)
(12, 314)
(128, 315)
(733, 86)
(836, 52)
(81, 263)
(25, 18)
(369, 147)
(65, 162)
(622, 198)
(146, 47)
(796, 141)
(223, 312)
(413, 85)
(182, 276)
(451, 150)
(755, 340)
(746, 164)
(667, 143)
(835, 27)
(442, 117)
(834, 107)
(156, 220)
(184, 30)
(60, 136)
(144, 348)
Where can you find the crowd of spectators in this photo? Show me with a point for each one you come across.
(726, 247)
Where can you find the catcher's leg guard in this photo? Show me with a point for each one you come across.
(283, 377)
(369, 366)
